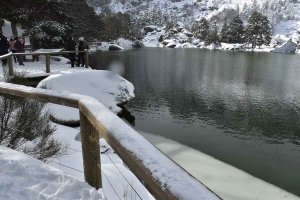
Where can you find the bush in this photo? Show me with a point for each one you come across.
(26, 128)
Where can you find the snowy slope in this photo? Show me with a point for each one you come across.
(187, 11)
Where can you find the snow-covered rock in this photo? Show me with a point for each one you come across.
(288, 47)
(138, 44)
(106, 86)
(225, 12)
(227, 46)
(115, 47)
(124, 43)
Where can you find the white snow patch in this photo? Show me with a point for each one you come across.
(23, 177)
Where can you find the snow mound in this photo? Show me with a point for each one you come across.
(106, 86)
(23, 177)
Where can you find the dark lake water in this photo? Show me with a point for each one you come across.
(241, 108)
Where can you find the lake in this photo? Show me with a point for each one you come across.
(242, 108)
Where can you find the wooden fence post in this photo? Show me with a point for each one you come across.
(47, 63)
(10, 65)
(90, 152)
(86, 58)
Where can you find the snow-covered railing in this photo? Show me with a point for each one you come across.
(160, 175)
(47, 55)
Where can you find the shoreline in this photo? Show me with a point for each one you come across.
(127, 45)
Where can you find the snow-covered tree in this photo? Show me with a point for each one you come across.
(224, 33)
(201, 29)
(258, 30)
(236, 31)
(213, 36)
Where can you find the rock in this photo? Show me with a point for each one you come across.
(166, 41)
(212, 46)
(224, 12)
(161, 38)
(149, 29)
(138, 44)
(172, 44)
(115, 47)
(288, 47)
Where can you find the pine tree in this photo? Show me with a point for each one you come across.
(258, 30)
(213, 36)
(201, 29)
(236, 31)
(224, 33)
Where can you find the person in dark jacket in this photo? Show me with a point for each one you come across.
(82, 45)
(71, 46)
(4, 45)
(20, 48)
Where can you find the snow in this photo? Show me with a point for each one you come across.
(113, 170)
(106, 86)
(23, 177)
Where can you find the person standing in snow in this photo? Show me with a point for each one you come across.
(12, 48)
(82, 45)
(71, 46)
(20, 48)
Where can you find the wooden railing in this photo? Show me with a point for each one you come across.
(160, 175)
(47, 55)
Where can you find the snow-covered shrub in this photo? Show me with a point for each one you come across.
(24, 127)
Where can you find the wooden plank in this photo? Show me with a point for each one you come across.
(10, 66)
(5, 56)
(47, 63)
(61, 98)
(90, 152)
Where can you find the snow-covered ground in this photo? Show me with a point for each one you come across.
(23, 177)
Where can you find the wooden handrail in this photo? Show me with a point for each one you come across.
(5, 56)
(46, 54)
(160, 175)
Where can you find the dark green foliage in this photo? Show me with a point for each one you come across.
(258, 31)
(224, 33)
(201, 29)
(116, 26)
(84, 20)
(236, 31)
(21, 121)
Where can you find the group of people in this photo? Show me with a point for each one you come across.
(14, 45)
(78, 58)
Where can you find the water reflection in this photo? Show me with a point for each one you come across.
(243, 108)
